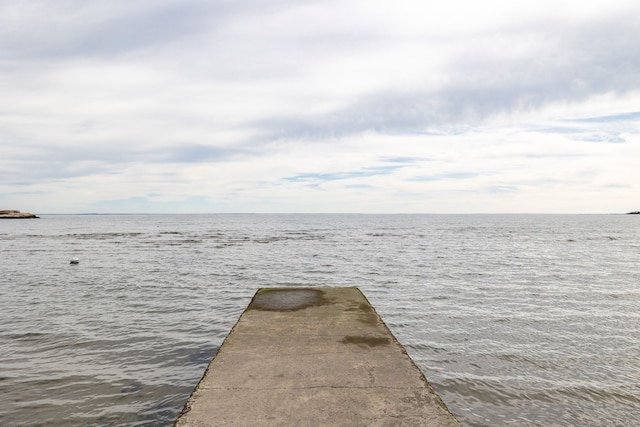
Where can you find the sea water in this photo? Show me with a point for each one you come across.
(523, 320)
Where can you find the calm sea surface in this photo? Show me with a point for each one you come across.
(522, 320)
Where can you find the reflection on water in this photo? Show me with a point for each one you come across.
(515, 319)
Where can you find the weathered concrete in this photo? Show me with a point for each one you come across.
(313, 357)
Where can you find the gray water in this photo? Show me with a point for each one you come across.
(523, 320)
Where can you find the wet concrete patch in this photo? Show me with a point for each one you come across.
(286, 299)
(366, 314)
(365, 340)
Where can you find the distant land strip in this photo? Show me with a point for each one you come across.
(13, 214)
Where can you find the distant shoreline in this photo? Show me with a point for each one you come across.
(15, 214)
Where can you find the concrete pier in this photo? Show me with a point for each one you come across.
(313, 357)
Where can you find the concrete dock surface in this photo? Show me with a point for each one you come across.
(313, 357)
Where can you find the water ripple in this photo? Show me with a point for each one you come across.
(516, 320)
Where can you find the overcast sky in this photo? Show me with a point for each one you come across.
(193, 106)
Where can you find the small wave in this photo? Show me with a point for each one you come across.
(27, 336)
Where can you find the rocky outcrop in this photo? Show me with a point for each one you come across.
(16, 214)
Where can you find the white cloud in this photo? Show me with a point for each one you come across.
(319, 106)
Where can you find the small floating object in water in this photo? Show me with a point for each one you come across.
(74, 260)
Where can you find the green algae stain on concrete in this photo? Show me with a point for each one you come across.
(287, 299)
(365, 313)
(368, 341)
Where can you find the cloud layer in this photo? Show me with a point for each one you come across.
(320, 106)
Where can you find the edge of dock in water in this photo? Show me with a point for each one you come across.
(313, 356)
